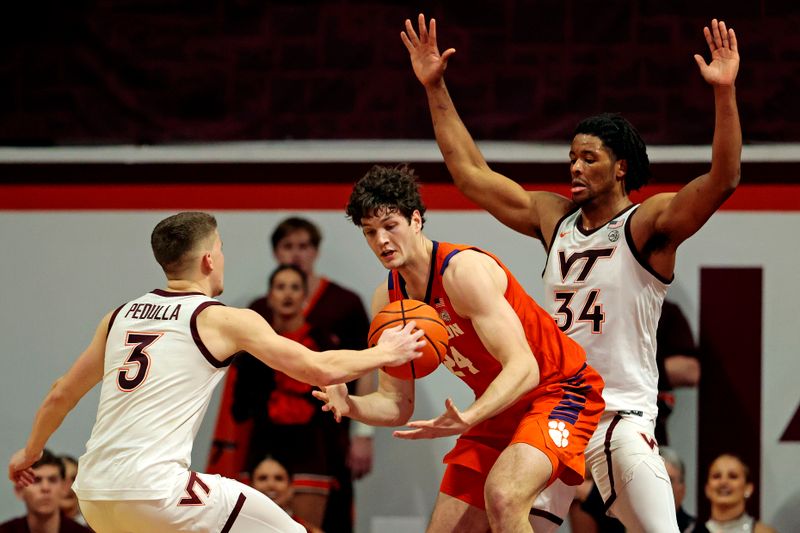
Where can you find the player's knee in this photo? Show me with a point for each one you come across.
(503, 503)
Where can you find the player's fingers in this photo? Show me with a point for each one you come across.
(700, 61)
(732, 38)
(432, 31)
(723, 33)
(412, 35)
(408, 434)
(447, 53)
(715, 34)
(406, 41)
(423, 30)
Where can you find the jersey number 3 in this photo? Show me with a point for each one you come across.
(591, 311)
(134, 370)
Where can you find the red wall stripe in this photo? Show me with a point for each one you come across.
(323, 196)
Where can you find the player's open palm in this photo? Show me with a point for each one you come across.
(724, 55)
(451, 422)
(402, 344)
(428, 63)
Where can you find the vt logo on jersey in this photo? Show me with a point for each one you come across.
(587, 257)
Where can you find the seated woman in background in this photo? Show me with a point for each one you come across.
(727, 488)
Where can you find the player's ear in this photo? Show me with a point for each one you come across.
(207, 263)
(621, 168)
(416, 220)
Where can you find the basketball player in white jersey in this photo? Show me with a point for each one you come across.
(609, 263)
(159, 358)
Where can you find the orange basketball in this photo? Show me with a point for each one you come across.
(399, 313)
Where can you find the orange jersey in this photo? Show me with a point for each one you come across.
(558, 356)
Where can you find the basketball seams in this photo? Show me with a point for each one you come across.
(399, 313)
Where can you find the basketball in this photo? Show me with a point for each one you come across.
(399, 313)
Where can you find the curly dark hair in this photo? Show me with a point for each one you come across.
(624, 141)
(389, 189)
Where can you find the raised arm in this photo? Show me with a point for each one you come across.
(65, 393)
(678, 216)
(475, 285)
(521, 210)
(228, 330)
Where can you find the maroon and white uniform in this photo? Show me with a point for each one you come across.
(158, 379)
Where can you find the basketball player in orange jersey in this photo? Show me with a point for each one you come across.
(609, 261)
(159, 358)
(537, 402)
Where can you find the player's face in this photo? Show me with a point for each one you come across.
(43, 496)
(595, 172)
(271, 478)
(678, 486)
(296, 249)
(727, 483)
(218, 260)
(391, 237)
(287, 293)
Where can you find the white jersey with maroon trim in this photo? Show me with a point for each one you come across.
(603, 295)
(158, 378)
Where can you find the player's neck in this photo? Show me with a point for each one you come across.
(416, 270)
(186, 285)
(598, 213)
(49, 523)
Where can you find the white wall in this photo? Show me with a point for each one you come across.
(61, 271)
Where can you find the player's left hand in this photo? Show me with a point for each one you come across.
(724, 55)
(451, 422)
(19, 468)
(335, 399)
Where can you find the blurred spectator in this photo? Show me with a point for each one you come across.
(288, 422)
(42, 501)
(69, 503)
(340, 312)
(271, 478)
(677, 476)
(727, 488)
(678, 362)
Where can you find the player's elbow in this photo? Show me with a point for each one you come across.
(59, 398)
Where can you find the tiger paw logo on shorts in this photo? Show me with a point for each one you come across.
(559, 433)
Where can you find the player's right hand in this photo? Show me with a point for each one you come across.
(402, 344)
(428, 63)
(335, 399)
(19, 468)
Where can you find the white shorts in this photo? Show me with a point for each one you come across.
(200, 503)
(619, 446)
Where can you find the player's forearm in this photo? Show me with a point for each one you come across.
(461, 155)
(55, 407)
(726, 148)
(379, 409)
(341, 366)
(514, 381)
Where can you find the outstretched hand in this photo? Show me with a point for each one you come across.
(335, 399)
(724, 64)
(428, 63)
(451, 422)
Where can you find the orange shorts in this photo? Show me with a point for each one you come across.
(558, 419)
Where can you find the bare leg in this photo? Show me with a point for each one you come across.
(518, 476)
(451, 515)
